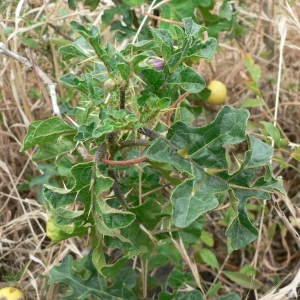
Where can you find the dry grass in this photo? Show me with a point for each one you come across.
(23, 242)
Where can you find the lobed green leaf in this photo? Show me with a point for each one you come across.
(42, 132)
(165, 42)
(199, 152)
(94, 285)
(52, 150)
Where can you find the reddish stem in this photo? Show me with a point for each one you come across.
(124, 162)
(164, 20)
(179, 99)
(129, 162)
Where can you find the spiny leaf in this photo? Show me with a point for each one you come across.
(52, 150)
(94, 285)
(59, 198)
(82, 174)
(165, 42)
(113, 269)
(178, 10)
(191, 81)
(71, 80)
(191, 28)
(196, 195)
(205, 49)
(205, 143)
(29, 138)
(113, 218)
(80, 47)
(41, 132)
(243, 188)
(103, 229)
(88, 32)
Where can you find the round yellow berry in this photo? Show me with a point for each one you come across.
(218, 92)
(11, 293)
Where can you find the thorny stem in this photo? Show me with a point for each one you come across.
(112, 148)
(179, 99)
(149, 133)
(102, 150)
(112, 139)
(132, 143)
(100, 153)
(155, 135)
(183, 96)
(117, 188)
(122, 98)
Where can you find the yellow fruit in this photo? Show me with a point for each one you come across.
(11, 293)
(218, 92)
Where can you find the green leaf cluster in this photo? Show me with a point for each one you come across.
(208, 173)
(94, 284)
(98, 193)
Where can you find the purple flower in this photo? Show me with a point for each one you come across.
(157, 63)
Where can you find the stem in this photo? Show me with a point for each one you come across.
(259, 240)
(58, 31)
(124, 162)
(100, 153)
(179, 99)
(149, 133)
(112, 139)
(144, 276)
(132, 143)
(122, 98)
(140, 179)
(117, 188)
(164, 20)
(218, 275)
